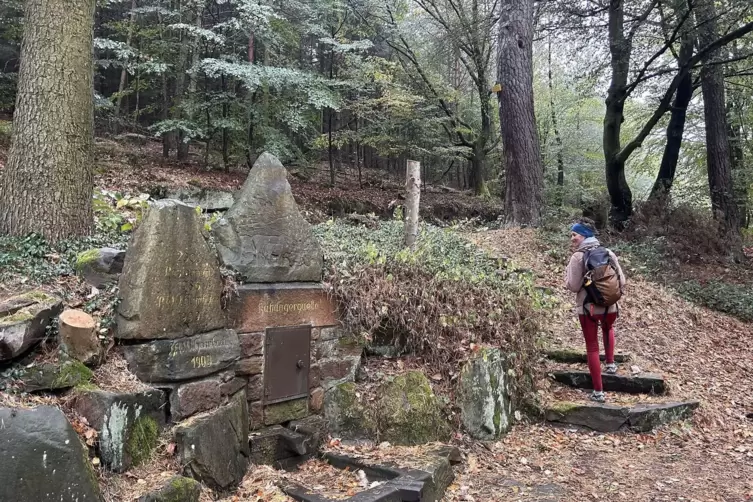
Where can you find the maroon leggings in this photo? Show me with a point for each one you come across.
(590, 328)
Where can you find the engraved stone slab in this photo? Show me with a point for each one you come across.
(263, 236)
(259, 306)
(183, 359)
(170, 286)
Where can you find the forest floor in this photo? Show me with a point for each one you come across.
(703, 354)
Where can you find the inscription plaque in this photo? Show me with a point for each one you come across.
(185, 358)
(259, 306)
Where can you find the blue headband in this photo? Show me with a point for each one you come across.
(583, 230)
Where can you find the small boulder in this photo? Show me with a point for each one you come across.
(484, 396)
(346, 415)
(43, 458)
(213, 447)
(24, 320)
(57, 376)
(177, 489)
(100, 266)
(78, 336)
(263, 236)
(128, 424)
(408, 413)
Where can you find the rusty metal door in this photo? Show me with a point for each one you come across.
(287, 358)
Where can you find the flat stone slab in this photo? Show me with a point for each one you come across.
(644, 383)
(259, 306)
(24, 320)
(571, 356)
(427, 484)
(183, 359)
(611, 418)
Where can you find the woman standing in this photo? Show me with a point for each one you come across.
(583, 243)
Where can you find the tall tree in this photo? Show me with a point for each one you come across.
(524, 172)
(718, 154)
(47, 185)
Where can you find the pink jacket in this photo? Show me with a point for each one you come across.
(575, 272)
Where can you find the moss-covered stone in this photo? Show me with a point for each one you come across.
(408, 412)
(20, 316)
(347, 416)
(285, 411)
(56, 376)
(177, 489)
(484, 395)
(142, 439)
(87, 257)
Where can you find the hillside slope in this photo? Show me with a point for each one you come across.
(703, 354)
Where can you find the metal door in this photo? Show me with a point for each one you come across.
(287, 358)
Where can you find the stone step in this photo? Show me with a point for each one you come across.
(611, 418)
(643, 383)
(570, 356)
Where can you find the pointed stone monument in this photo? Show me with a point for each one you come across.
(263, 236)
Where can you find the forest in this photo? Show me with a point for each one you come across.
(317, 250)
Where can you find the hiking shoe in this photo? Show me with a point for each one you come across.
(611, 369)
(598, 396)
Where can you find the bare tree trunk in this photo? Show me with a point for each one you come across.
(123, 72)
(676, 126)
(718, 155)
(620, 48)
(557, 137)
(46, 186)
(522, 154)
(412, 200)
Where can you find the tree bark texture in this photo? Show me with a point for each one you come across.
(676, 126)
(524, 172)
(718, 154)
(620, 48)
(412, 200)
(47, 184)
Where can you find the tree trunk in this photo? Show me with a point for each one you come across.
(522, 154)
(47, 184)
(557, 137)
(124, 72)
(620, 49)
(718, 155)
(676, 126)
(412, 199)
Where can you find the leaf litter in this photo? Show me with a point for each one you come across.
(703, 355)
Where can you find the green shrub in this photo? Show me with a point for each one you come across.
(733, 299)
(435, 302)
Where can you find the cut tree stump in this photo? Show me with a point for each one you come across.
(644, 383)
(611, 418)
(570, 356)
(78, 336)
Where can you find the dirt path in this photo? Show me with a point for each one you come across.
(704, 355)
